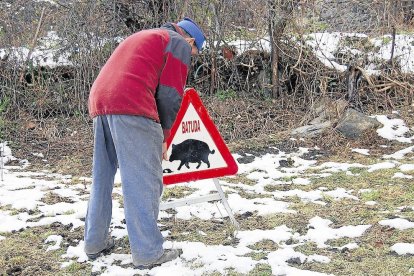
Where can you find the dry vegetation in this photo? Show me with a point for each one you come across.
(44, 109)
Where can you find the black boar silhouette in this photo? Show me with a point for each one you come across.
(191, 151)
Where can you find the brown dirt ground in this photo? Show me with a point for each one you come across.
(67, 142)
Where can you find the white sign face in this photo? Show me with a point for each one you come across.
(192, 148)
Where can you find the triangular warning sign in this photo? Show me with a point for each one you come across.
(196, 149)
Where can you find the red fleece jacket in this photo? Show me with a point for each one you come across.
(144, 76)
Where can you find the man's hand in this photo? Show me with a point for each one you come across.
(164, 151)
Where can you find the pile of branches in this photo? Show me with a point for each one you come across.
(302, 77)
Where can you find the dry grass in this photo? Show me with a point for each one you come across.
(66, 144)
(24, 253)
(53, 198)
(176, 192)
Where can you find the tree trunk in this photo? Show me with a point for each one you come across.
(279, 11)
(274, 51)
(353, 76)
(217, 36)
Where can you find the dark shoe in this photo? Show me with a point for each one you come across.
(169, 255)
(110, 243)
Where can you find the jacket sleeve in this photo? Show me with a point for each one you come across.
(172, 81)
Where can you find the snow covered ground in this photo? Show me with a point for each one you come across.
(21, 207)
(325, 45)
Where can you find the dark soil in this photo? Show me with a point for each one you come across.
(66, 144)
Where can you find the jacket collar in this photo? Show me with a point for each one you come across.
(173, 27)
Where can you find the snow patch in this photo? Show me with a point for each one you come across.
(403, 248)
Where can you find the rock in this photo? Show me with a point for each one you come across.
(393, 116)
(294, 260)
(318, 120)
(328, 110)
(246, 159)
(325, 111)
(246, 215)
(16, 270)
(311, 130)
(286, 163)
(353, 124)
(289, 241)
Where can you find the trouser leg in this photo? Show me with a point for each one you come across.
(98, 217)
(138, 142)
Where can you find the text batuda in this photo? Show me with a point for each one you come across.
(190, 126)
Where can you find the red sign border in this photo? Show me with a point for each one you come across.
(191, 96)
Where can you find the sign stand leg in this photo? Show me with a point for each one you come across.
(225, 203)
(219, 196)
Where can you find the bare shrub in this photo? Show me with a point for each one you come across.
(87, 32)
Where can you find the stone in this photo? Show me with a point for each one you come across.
(311, 130)
(353, 124)
(328, 110)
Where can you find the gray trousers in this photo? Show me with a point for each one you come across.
(133, 143)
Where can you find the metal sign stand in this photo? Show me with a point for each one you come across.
(219, 196)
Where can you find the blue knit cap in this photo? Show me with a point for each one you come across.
(194, 30)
